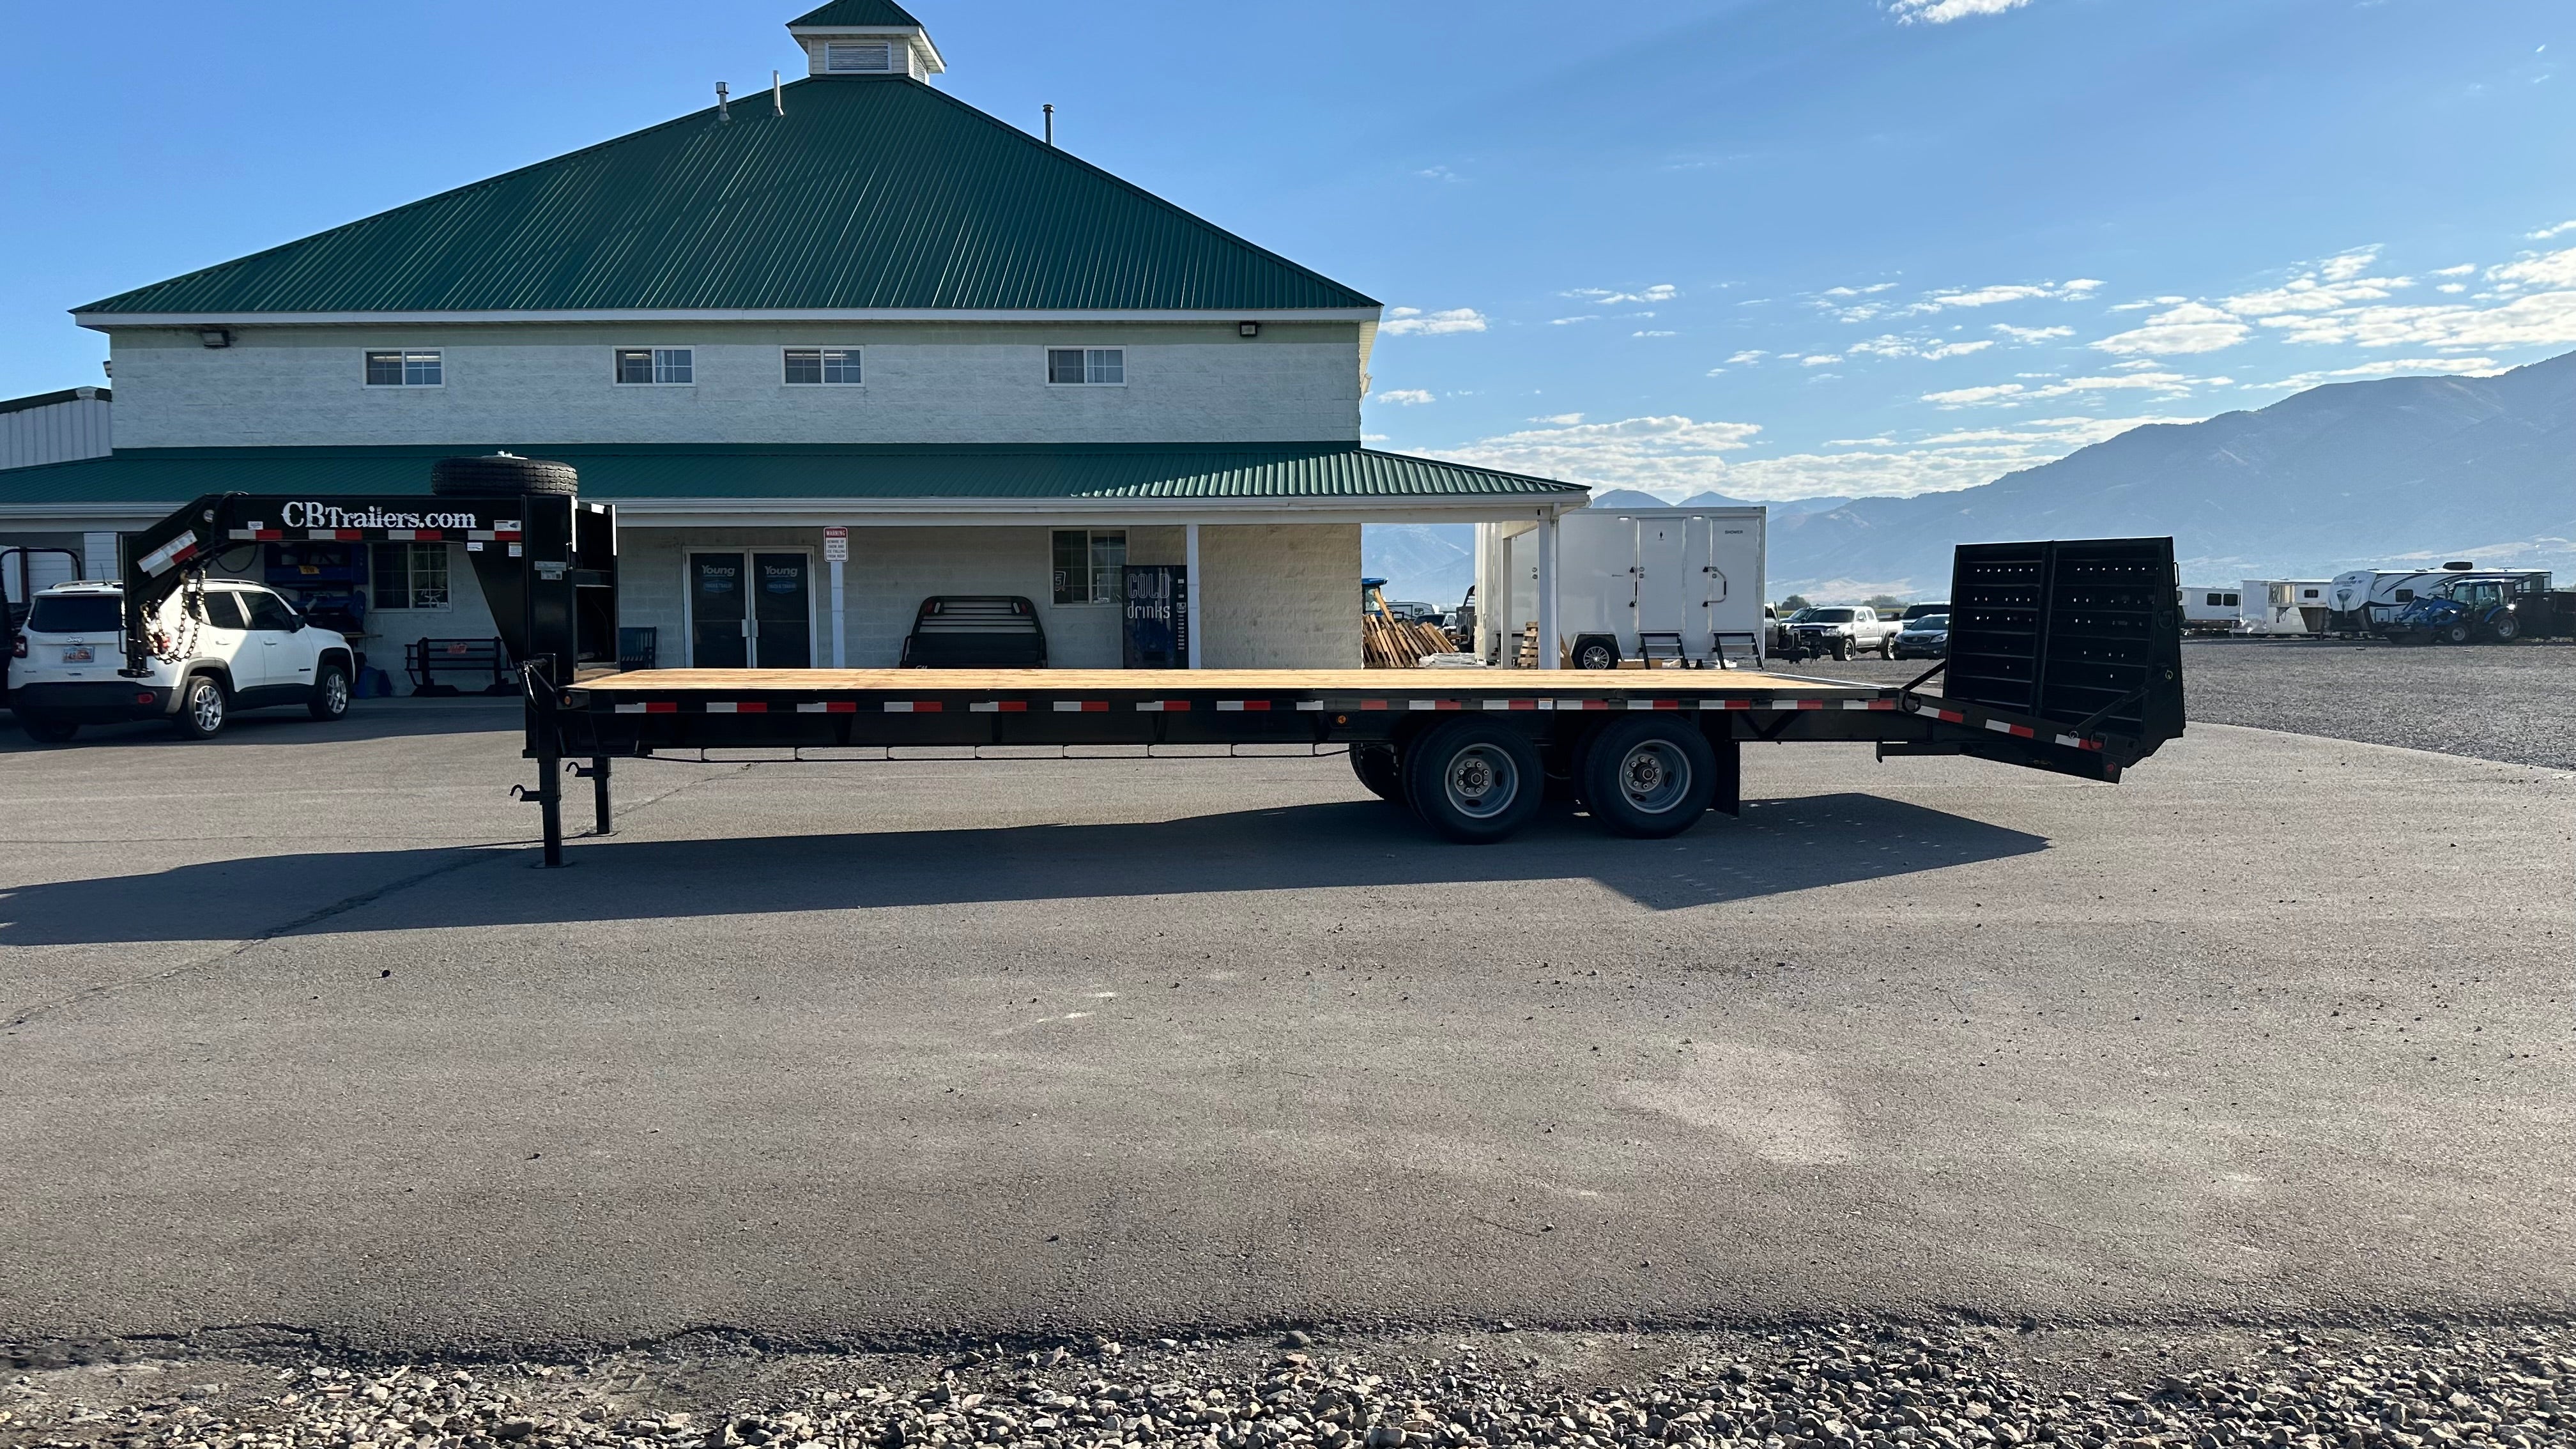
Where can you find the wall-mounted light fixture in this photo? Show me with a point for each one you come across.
(215, 336)
(1248, 329)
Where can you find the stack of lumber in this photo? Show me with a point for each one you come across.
(1387, 642)
(1529, 645)
(1390, 644)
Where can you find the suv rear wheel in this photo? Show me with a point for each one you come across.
(330, 693)
(46, 730)
(202, 707)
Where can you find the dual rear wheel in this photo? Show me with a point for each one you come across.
(1475, 782)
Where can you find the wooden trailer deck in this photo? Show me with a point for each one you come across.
(1268, 684)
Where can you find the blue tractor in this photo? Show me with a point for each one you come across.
(2472, 607)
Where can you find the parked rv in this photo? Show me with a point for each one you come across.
(2367, 601)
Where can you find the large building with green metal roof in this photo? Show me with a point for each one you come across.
(847, 302)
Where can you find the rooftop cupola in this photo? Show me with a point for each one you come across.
(865, 37)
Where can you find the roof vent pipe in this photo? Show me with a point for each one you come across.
(777, 94)
(1049, 108)
(722, 112)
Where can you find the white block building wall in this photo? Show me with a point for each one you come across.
(1275, 597)
(945, 383)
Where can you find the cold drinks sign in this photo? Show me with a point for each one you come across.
(1158, 617)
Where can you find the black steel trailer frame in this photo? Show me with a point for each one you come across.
(2065, 656)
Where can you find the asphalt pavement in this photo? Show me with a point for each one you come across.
(295, 1036)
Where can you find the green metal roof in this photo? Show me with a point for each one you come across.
(621, 472)
(856, 12)
(869, 193)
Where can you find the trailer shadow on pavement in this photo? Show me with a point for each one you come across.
(1778, 846)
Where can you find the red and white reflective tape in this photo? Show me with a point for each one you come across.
(999, 706)
(1509, 704)
(736, 706)
(1869, 704)
(1583, 704)
(2020, 732)
(1372, 704)
(827, 706)
(336, 535)
(650, 706)
(2079, 742)
(415, 535)
(177, 551)
(1236, 706)
(1313, 704)
(493, 535)
(1163, 706)
(1082, 706)
(912, 706)
(1650, 704)
(1434, 704)
(258, 535)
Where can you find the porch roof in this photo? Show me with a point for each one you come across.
(694, 478)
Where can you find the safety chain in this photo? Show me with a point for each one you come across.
(182, 647)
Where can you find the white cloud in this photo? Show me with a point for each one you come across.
(1570, 321)
(2349, 263)
(1893, 345)
(1562, 420)
(2073, 291)
(2173, 384)
(2028, 336)
(1404, 397)
(1674, 456)
(2393, 367)
(2462, 270)
(1746, 358)
(1942, 12)
(1958, 349)
(1605, 297)
(1821, 359)
(1945, 461)
(1654, 334)
(2191, 327)
(2549, 269)
(1413, 321)
(2546, 232)
(1873, 287)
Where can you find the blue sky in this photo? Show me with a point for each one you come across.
(1779, 248)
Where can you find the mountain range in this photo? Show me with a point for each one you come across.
(2398, 471)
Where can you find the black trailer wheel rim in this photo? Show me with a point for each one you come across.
(206, 707)
(1654, 776)
(1481, 782)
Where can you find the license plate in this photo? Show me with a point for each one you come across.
(78, 654)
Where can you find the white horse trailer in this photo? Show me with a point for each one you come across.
(2211, 608)
(2282, 606)
(1653, 585)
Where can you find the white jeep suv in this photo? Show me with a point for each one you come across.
(230, 646)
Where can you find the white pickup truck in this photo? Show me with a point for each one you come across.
(231, 646)
(1842, 631)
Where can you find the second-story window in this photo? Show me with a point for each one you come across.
(1087, 366)
(652, 366)
(834, 366)
(406, 369)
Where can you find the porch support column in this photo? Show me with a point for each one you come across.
(1547, 640)
(1190, 597)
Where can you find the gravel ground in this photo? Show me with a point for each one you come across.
(1839, 1386)
(2515, 704)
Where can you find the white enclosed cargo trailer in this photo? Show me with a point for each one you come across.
(1655, 585)
(2282, 606)
(2211, 608)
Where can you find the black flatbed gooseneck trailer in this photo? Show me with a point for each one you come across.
(2064, 656)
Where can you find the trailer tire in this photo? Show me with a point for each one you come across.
(1472, 781)
(1649, 778)
(501, 475)
(1594, 652)
(1381, 770)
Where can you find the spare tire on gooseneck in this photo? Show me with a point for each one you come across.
(501, 475)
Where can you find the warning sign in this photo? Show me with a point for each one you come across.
(836, 545)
